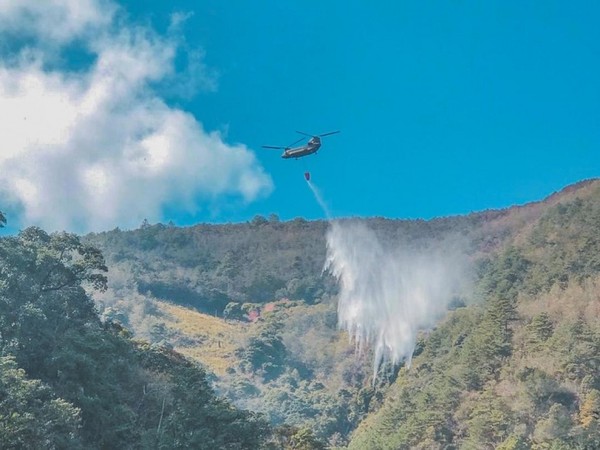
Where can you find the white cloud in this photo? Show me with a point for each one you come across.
(93, 148)
(178, 18)
(56, 21)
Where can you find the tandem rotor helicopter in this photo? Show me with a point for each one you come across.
(312, 146)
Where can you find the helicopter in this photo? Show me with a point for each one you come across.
(312, 146)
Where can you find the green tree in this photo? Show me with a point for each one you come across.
(304, 439)
(490, 421)
(42, 294)
(578, 347)
(514, 442)
(504, 275)
(31, 416)
(259, 220)
(233, 311)
(540, 328)
(97, 389)
(554, 426)
(485, 350)
(186, 414)
(542, 389)
(265, 353)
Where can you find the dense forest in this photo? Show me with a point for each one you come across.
(69, 380)
(117, 339)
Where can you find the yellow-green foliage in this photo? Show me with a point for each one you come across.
(207, 339)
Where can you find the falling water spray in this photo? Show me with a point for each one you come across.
(387, 295)
(319, 199)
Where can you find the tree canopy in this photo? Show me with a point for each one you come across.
(67, 380)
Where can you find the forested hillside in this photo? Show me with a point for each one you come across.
(521, 368)
(68, 380)
(514, 364)
(208, 266)
(497, 370)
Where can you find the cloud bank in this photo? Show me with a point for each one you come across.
(387, 295)
(88, 143)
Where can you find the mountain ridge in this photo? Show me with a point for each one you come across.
(274, 369)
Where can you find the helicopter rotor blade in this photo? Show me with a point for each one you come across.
(294, 143)
(327, 134)
(317, 135)
(273, 147)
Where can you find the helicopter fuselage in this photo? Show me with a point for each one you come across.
(312, 147)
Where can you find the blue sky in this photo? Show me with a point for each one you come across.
(444, 107)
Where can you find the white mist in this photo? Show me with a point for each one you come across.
(387, 295)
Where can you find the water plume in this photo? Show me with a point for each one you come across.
(319, 198)
(387, 295)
